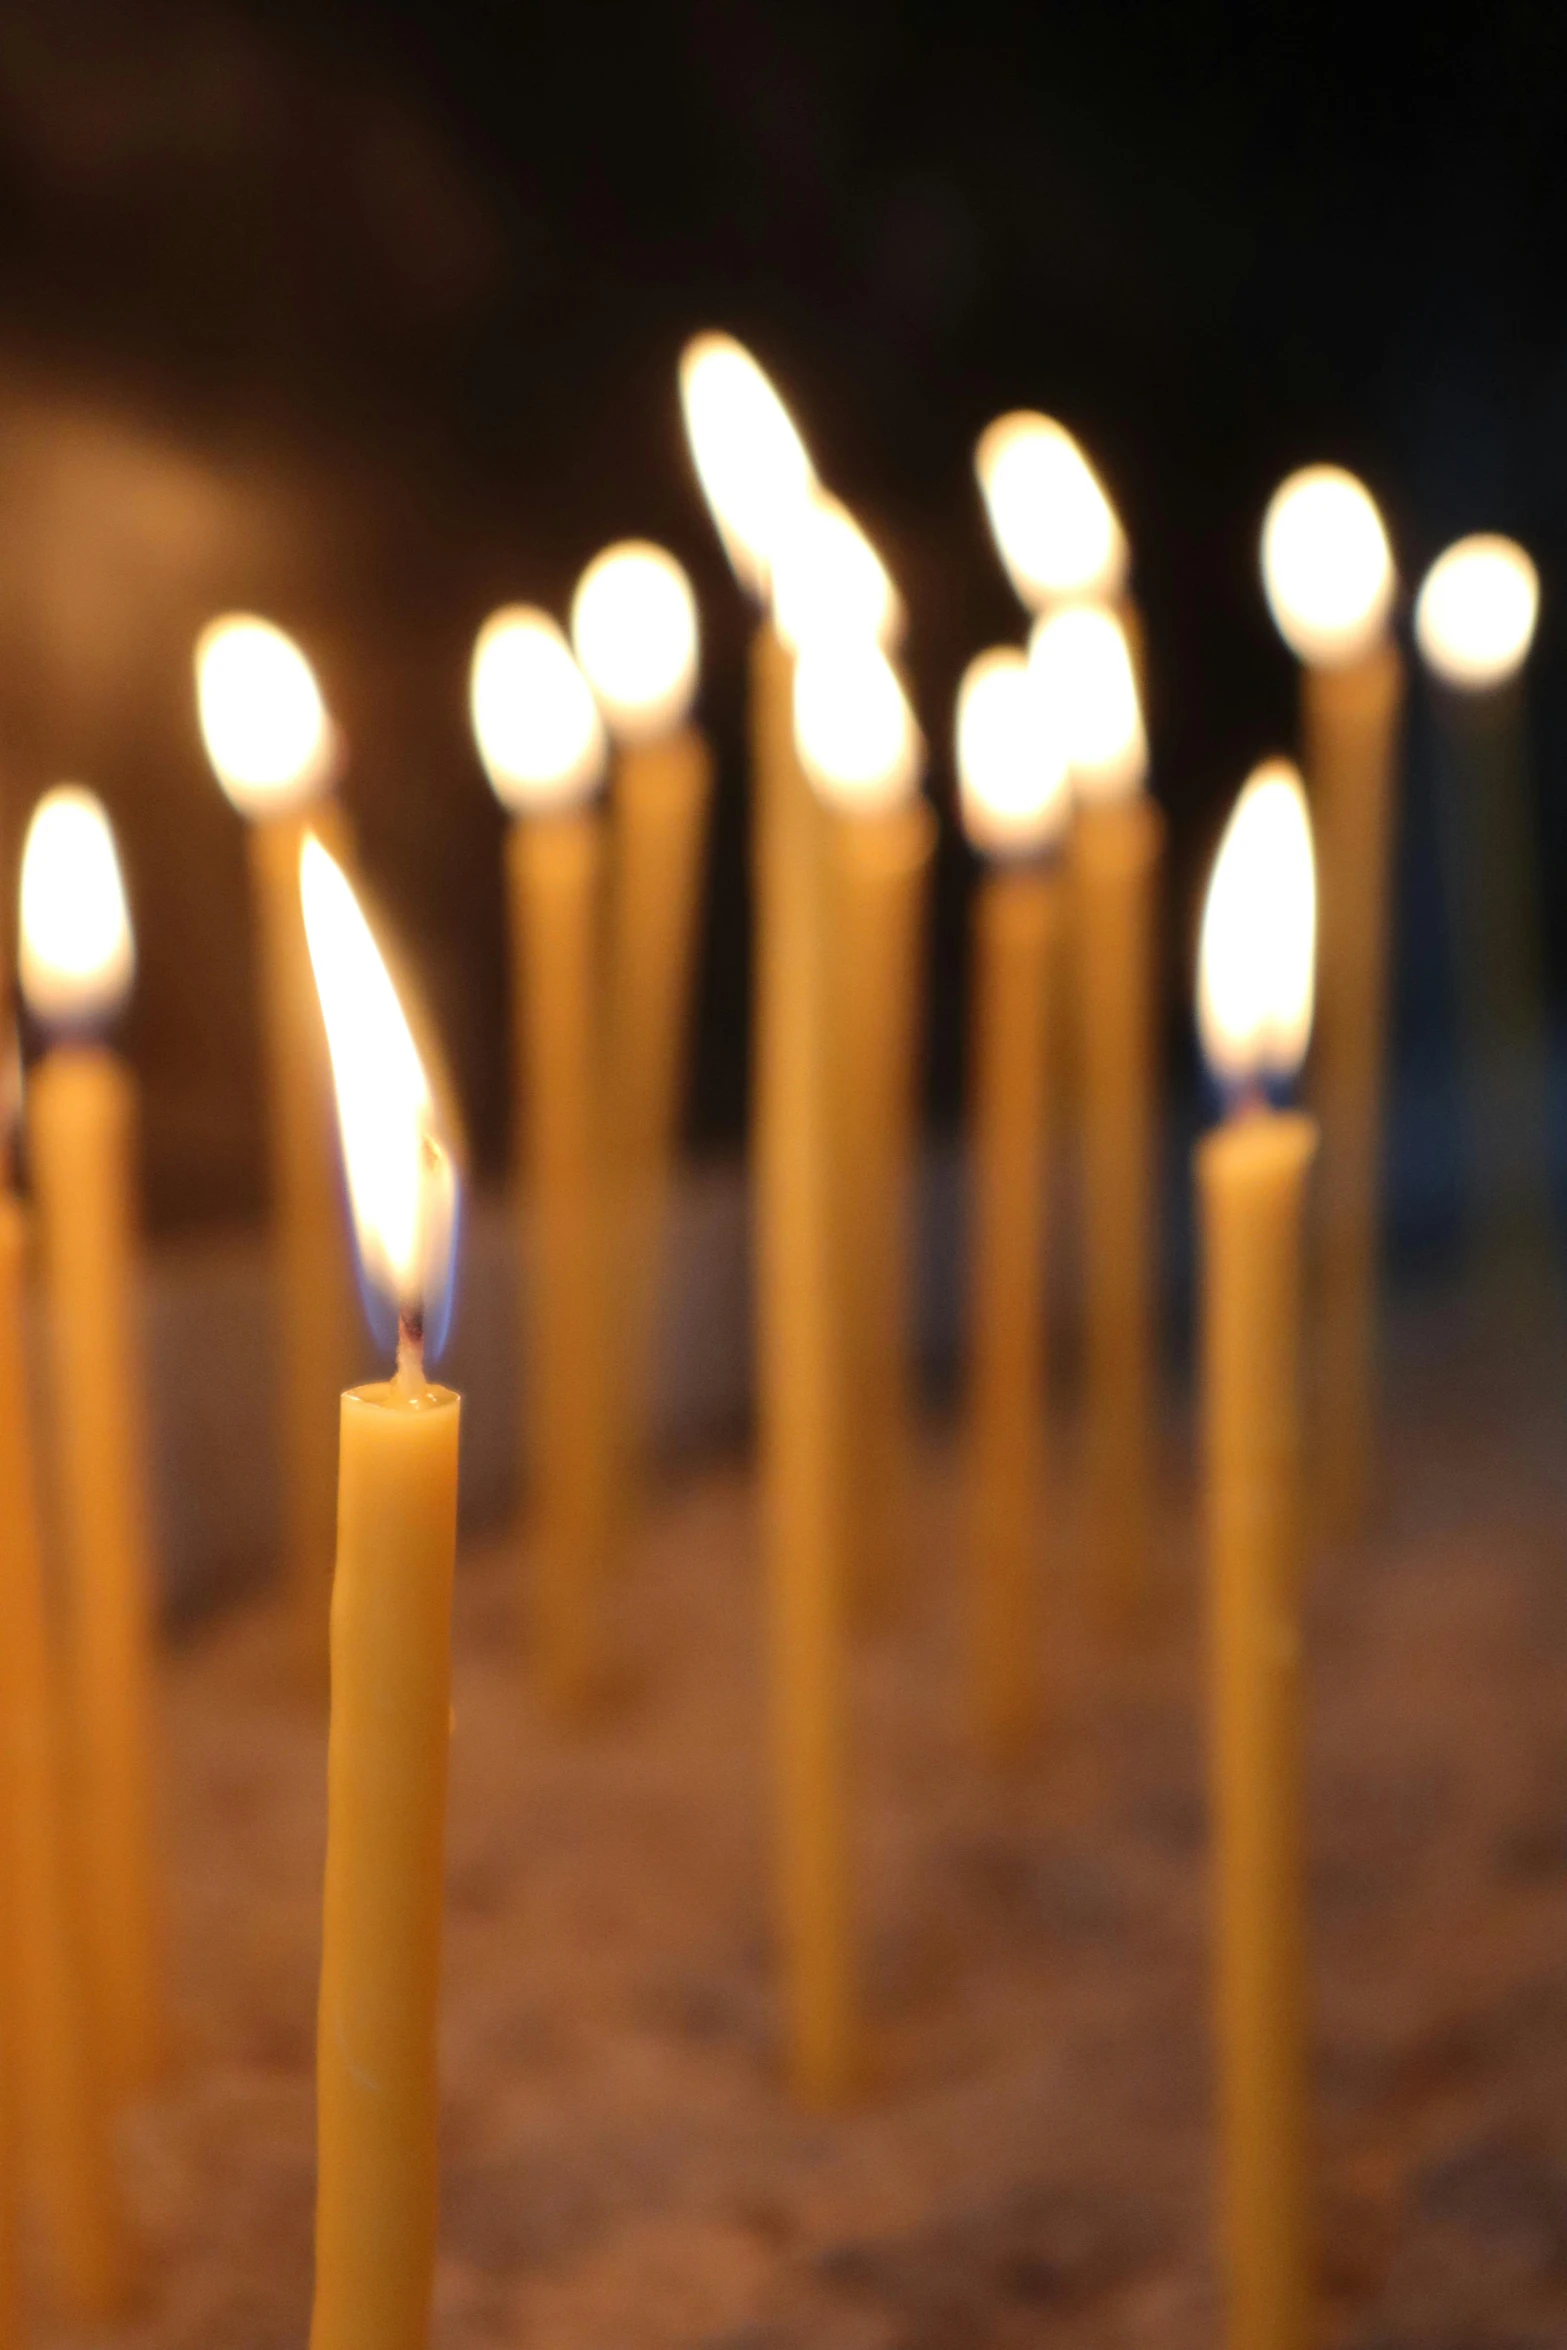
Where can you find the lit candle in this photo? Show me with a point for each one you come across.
(1084, 671)
(56, 2091)
(376, 2079)
(1474, 624)
(634, 629)
(1330, 584)
(542, 742)
(1254, 1017)
(862, 751)
(273, 750)
(759, 483)
(77, 960)
(1015, 798)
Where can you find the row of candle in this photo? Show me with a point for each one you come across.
(839, 897)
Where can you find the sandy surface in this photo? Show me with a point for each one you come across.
(1031, 2161)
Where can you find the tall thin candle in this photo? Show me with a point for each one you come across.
(77, 959)
(1254, 1009)
(376, 2084)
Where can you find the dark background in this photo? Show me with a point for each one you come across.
(367, 317)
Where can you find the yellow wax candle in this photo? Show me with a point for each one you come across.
(1328, 572)
(1014, 783)
(543, 744)
(761, 487)
(634, 631)
(272, 748)
(877, 889)
(10, 2100)
(376, 2084)
(1084, 672)
(1255, 1011)
(51, 2036)
(76, 958)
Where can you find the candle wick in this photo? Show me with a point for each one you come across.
(410, 1350)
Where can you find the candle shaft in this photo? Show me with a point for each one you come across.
(1251, 1182)
(1116, 854)
(877, 884)
(376, 2084)
(315, 1305)
(81, 1121)
(1350, 722)
(1018, 924)
(557, 874)
(800, 1397)
(662, 792)
(62, 2108)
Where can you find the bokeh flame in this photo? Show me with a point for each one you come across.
(634, 632)
(1326, 566)
(1014, 780)
(856, 735)
(749, 457)
(1476, 611)
(1256, 966)
(536, 723)
(1056, 531)
(267, 733)
(77, 956)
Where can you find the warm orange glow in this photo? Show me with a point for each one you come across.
(401, 1180)
(1057, 532)
(750, 459)
(1013, 777)
(1326, 566)
(77, 956)
(856, 735)
(534, 718)
(1083, 667)
(1475, 613)
(267, 733)
(634, 631)
(1256, 969)
(828, 580)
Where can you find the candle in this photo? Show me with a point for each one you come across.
(1014, 785)
(55, 2089)
(76, 960)
(1330, 583)
(542, 743)
(376, 2076)
(862, 751)
(1254, 1012)
(758, 480)
(1057, 533)
(272, 748)
(1474, 624)
(1085, 673)
(634, 630)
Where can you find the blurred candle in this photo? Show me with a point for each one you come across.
(1083, 670)
(861, 750)
(542, 743)
(1254, 1017)
(56, 2091)
(758, 480)
(1329, 578)
(377, 2098)
(271, 747)
(1015, 798)
(634, 629)
(77, 960)
(1056, 531)
(1474, 624)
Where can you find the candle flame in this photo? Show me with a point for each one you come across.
(828, 580)
(1013, 776)
(1256, 968)
(267, 733)
(1083, 665)
(634, 631)
(1056, 531)
(856, 735)
(1475, 613)
(77, 956)
(1326, 566)
(750, 459)
(402, 1182)
(534, 717)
